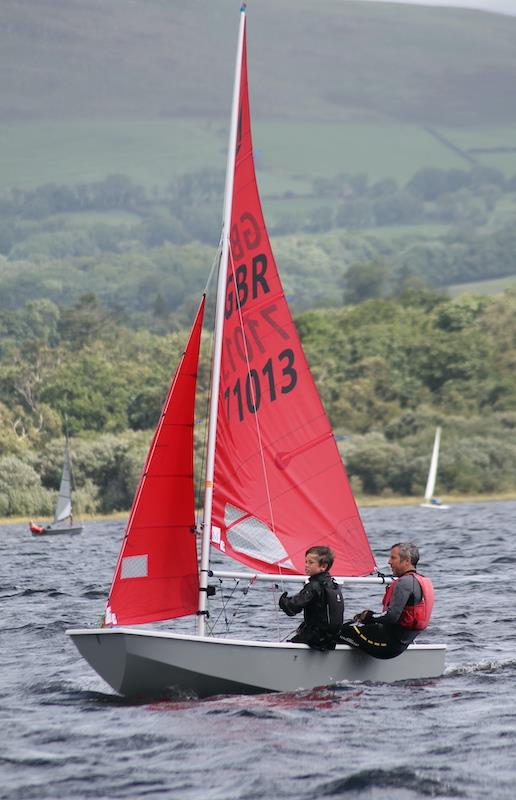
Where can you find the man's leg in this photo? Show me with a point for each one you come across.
(372, 639)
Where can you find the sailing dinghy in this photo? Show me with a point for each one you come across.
(430, 500)
(274, 486)
(63, 517)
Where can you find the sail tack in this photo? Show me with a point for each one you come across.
(156, 576)
(280, 485)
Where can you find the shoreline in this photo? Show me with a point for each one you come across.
(365, 501)
(370, 501)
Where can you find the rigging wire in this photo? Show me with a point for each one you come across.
(216, 262)
(225, 601)
(230, 617)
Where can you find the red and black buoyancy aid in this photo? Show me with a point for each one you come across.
(418, 615)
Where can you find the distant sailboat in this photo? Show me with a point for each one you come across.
(430, 500)
(63, 513)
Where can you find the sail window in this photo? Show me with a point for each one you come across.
(253, 538)
(134, 567)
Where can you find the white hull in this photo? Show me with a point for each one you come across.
(437, 506)
(138, 662)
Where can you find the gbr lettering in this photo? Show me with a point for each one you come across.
(246, 284)
(249, 279)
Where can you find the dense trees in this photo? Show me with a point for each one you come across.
(97, 288)
(389, 370)
(147, 253)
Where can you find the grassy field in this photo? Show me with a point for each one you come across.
(143, 89)
(489, 287)
(71, 151)
(288, 156)
(449, 499)
(491, 146)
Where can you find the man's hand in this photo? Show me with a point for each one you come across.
(364, 617)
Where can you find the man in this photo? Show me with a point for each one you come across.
(321, 601)
(407, 606)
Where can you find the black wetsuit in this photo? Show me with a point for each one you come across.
(323, 605)
(382, 636)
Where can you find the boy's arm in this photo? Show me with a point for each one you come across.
(293, 605)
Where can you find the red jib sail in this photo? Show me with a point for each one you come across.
(156, 576)
(279, 485)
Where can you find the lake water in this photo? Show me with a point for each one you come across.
(65, 734)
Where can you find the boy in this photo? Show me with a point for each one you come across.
(320, 600)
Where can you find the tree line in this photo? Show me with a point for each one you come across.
(389, 370)
(152, 261)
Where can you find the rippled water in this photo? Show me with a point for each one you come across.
(64, 734)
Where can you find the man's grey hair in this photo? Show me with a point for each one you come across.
(408, 550)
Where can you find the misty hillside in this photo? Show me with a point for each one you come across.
(334, 60)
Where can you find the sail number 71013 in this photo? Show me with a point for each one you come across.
(274, 378)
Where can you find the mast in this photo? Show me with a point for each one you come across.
(217, 337)
(432, 474)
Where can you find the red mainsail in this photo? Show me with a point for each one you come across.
(156, 576)
(279, 484)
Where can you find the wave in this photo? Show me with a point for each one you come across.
(46, 629)
(489, 667)
(94, 594)
(400, 778)
(37, 760)
(48, 592)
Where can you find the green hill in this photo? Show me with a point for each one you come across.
(142, 88)
(309, 61)
(344, 95)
